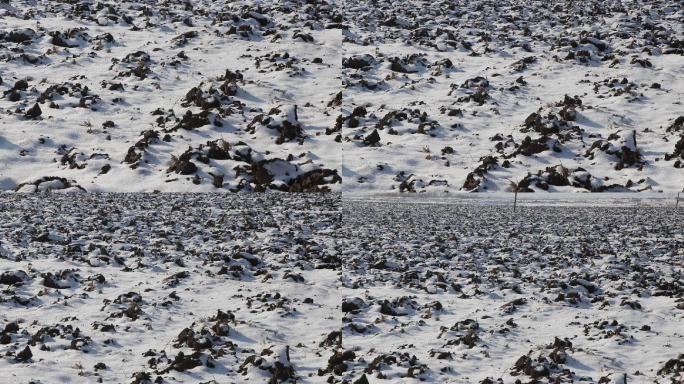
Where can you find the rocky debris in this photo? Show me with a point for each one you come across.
(284, 120)
(19, 36)
(431, 57)
(583, 179)
(645, 63)
(479, 261)
(551, 124)
(673, 367)
(480, 97)
(545, 367)
(48, 184)
(452, 83)
(336, 101)
(25, 355)
(337, 363)
(191, 120)
(72, 158)
(552, 176)
(358, 62)
(475, 178)
(315, 181)
(402, 65)
(522, 64)
(530, 147)
(625, 150)
(175, 279)
(34, 112)
(280, 174)
(208, 99)
(135, 153)
(412, 366)
(559, 176)
(141, 378)
(372, 139)
(254, 171)
(276, 362)
(352, 304)
(126, 305)
(677, 125)
(554, 271)
(134, 65)
(72, 38)
(63, 280)
(400, 306)
(124, 288)
(677, 154)
(182, 165)
(13, 277)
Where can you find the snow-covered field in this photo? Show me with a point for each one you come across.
(472, 293)
(131, 96)
(555, 96)
(353, 95)
(292, 288)
(394, 113)
(191, 288)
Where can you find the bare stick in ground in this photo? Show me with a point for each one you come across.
(515, 188)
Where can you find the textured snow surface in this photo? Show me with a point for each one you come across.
(169, 95)
(476, 294)
(364, 97)
(190, 288)
(393, 112)
(275, 288)
(469, 96)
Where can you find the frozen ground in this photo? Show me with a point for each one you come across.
(191, 288)
(169, 95)
(366, 97)
(447, 96)
(472, 293)
(399, 110)
(175, 288)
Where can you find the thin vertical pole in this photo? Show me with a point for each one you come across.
(515, 199)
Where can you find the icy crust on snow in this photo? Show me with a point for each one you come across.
(476, 294)
(132, 96)
(447, 96)
(140, 288)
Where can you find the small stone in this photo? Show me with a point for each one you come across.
(25, 354)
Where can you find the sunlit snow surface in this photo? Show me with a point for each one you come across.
(124, 87)
(383, 96)
(201, 287)
(454, 88)
(471, 292)
(120, 279)
(399, 109)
